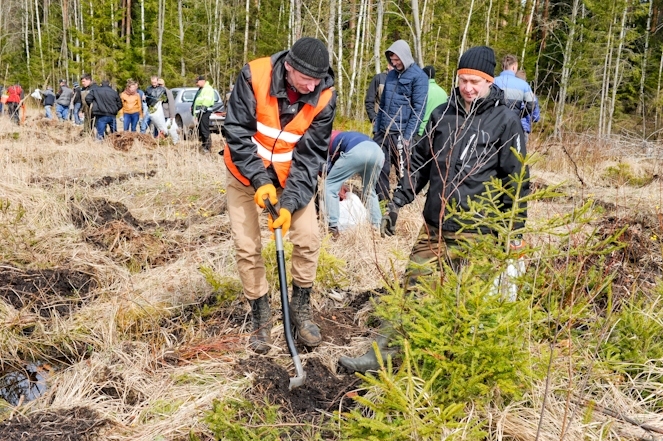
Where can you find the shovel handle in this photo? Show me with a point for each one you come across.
(273, 209)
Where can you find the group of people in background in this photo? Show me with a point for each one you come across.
(96, 107)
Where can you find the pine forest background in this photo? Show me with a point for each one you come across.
(596, 65)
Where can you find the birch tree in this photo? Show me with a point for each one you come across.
(161, 23)
(616, 78)
(566, 71)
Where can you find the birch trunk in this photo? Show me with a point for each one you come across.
(161, 18)
(180, 18)
(127, 32)
(142, 30)
(566, 71)
(528, 29)
(417, 33)
(41, 50)
(616, 79)
(467, 28)
(644, 69)
(658, 92)
(377, 52)
(331, 25)
(490, 7)
(245, 52)
(26, 35)
(64, 53)
(355, 54)
(605, 84)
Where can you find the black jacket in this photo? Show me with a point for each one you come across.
(310, 151)
(105, 101)
(77, 95)
(49, 98)
(467, 151)
(154, 94)
(373, 94)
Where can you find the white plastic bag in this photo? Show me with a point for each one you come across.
(504, 284)
(162, 124)
(351, 212)
(36, 94)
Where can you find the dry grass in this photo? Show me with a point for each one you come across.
(140, 354)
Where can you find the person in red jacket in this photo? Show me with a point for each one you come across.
(15, 93)
(278, 128)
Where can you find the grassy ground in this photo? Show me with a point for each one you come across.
(121, 304)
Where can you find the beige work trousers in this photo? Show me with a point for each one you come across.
(245, 225)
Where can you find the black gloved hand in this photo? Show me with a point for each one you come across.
(388, 224)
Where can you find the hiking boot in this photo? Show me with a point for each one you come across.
(261, 339)
(335, 234)
(307, 331)
(369, 361)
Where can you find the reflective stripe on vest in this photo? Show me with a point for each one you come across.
(275, 145)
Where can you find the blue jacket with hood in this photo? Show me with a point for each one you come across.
(403, 101)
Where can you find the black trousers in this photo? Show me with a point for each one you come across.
(203, 130)
(14, 112)
(393, 154)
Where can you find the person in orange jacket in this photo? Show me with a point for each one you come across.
(16, 95)
(132, 106)
(278, 128)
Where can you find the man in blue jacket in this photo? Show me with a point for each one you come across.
(527, 120)
(518, 95)
(401, 111)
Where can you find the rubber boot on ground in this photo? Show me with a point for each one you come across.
(307, 331)
(261, 339)
(369, 361)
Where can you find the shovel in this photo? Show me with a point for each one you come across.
(300, 378)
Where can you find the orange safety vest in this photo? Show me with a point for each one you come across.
(275, 144)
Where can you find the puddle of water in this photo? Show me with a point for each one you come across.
(28, 382)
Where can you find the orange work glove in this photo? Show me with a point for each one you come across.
(264, 191)
(283, 221)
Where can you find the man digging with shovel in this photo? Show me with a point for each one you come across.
(278, 127)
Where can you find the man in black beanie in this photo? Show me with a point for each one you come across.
(278, 128)
(473, 135)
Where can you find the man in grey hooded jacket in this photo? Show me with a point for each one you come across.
(64, 97)
(401, 111)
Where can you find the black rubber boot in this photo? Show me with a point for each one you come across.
(307, 331)
(369, 361)
(261, 339)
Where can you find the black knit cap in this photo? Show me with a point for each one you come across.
(309, 56)
(478, 60)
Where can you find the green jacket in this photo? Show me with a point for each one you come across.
(204, 97)
(436, 96)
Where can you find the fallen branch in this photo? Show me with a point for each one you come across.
(617, 415)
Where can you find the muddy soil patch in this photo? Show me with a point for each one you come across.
(74, 424)
(131, 247)
(322, 391)
(134, 243)
(45, 292)
(124, 141)
(338, 326)
(640, 262)
(105, 181)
